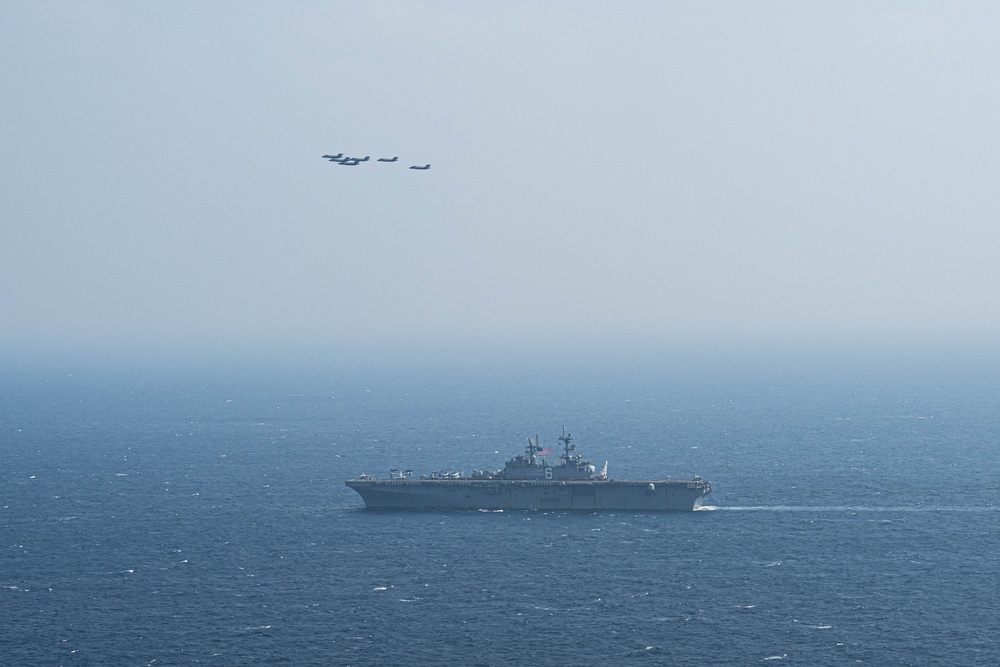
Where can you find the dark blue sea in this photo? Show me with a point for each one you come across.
(176, 511)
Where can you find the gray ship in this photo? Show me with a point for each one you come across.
(530, 482)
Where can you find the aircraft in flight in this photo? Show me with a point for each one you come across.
(349, 161)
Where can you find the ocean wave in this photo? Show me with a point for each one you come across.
(849, 508)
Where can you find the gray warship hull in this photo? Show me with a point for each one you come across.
(663, 495)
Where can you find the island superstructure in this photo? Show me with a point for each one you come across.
(529, 481)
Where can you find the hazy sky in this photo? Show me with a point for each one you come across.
(601, 171)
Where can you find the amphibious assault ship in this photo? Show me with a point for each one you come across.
(529, 481)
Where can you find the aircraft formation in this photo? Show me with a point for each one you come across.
(347, 161)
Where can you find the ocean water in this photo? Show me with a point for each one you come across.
(182, 513)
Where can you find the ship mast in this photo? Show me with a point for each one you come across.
(531, 449)
(564, 439)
